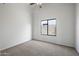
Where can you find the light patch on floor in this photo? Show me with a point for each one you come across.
(37, 48)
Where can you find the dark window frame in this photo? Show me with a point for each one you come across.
(48, 27)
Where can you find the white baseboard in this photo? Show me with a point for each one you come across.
(14, 45)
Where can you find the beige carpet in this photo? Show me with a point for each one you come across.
(37, 48)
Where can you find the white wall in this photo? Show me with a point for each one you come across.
(15, 24)
(77, 28)
(65, 16)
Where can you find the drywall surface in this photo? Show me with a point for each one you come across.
(77, 27)
(65, 16)
(15, 24)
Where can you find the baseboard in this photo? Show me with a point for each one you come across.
(13, 46)
(54, 43)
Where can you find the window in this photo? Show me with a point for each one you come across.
(48, 27)
(44, 27)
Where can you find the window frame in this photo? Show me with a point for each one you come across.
(48, 27)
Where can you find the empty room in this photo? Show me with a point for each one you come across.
(39, 29)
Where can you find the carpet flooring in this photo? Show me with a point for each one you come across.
(38, 48)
